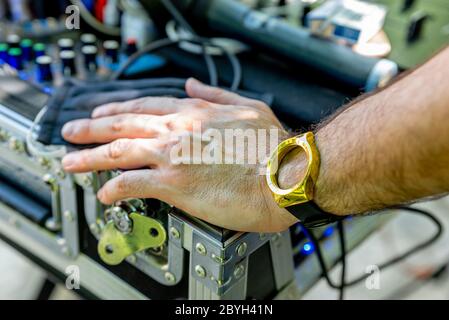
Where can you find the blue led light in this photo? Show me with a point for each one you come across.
(48, 90)
(328, 232)
(23, 75)
(307, 248)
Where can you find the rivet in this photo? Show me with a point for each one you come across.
(16, 144)
(241, 249)
(49, 179)
(238, 271)
(68, 215)
(3, 135)
(60, 173)
(65, 250)
(200, 248)
(45, 162)
(131, 259)
(87, 181)
(200, 271)
(175, 233)
(94, 228)
(170, 277)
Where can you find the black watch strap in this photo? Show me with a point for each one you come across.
(310, 215)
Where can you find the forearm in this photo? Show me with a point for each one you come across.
(387, 149)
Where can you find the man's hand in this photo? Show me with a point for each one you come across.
(139, 136)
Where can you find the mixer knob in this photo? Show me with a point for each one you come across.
(15, 58)
(27, 50)
(13, 41)
(68, 62)
(111, 48)
(4, 53)
(44, 73)
(131, 47)
(88, 39)
(90, 57)
(65, 44)
(39, 50)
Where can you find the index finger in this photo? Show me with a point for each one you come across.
(148, 105)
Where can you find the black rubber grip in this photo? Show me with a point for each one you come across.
(311, 216)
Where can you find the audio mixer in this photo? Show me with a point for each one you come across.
(55, 218)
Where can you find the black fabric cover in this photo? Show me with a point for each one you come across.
(301, 96)
(76, 99)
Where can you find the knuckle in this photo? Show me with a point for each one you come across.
(171, 101)
(117, 148)
(161, 148)
(170, 125)
(137, 106)
(198, 103)
(84, 157)
(122, 185)
(220, 94)
(117, 124)
(84, 127)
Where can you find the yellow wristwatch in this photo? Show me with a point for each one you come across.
(298, 200)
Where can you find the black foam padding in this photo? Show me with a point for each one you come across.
(24, 204)
(77, 99)
(21, 96)
(21, 179)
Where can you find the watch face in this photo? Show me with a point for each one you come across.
(303, 190)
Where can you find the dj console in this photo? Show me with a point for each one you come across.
(54, 217)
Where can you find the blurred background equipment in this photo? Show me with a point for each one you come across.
(304, 58)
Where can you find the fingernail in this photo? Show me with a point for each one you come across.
(100, 196)
(67, 130)
(195, 82)
(68, 161)
(96, 113)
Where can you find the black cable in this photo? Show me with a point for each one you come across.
(211, 67)
(233, 60)
(235, 63)
(384, 265)
(341, 236)
(210, 64)
(177, 16)
(411, 251)
(156, 45)
(236, 68)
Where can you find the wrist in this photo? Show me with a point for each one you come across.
(293, 169)
(325, 196)
(290, 177)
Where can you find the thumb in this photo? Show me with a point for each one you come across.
(197, 89)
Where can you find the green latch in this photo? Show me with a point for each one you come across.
(114, 245)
